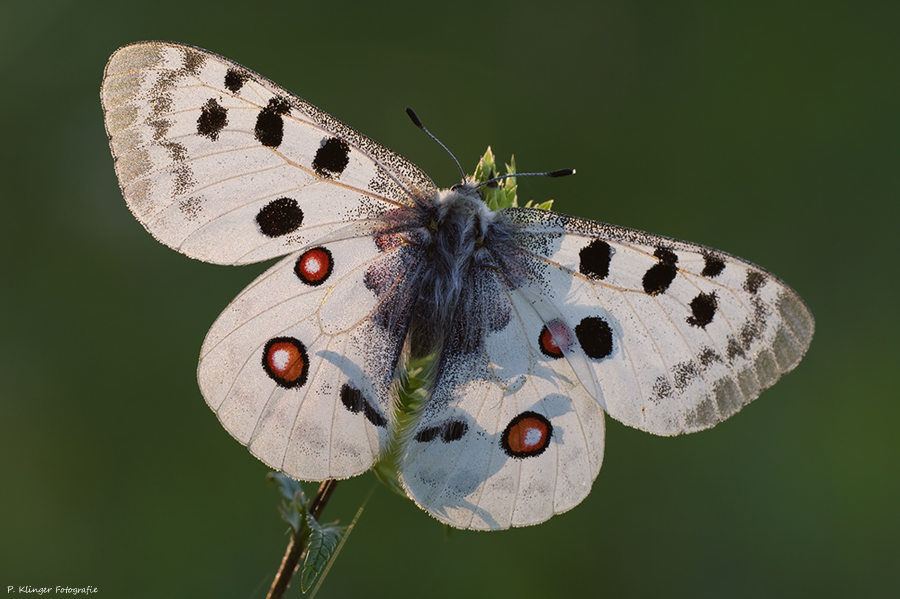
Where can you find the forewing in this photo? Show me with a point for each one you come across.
(507, 438)
(225, 166)
(299, 366)
(670, 337)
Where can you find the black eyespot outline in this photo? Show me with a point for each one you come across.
(297, 381)
(530, 453)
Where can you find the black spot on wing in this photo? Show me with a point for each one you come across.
(428, 434)
(754, 327)
(703, 308)
(161, 104)
(750, 331)
(594, 258)
(182, 178)
(595, 336)
(235, 79)
(733, 349)
(452, 430)
(279, 217)
(712, 266)
(213, 118)
(269, 129)
(684, 373)
(191, 207)
(661, 389)
(160, 128)
(352, 399)
(331, 158)
(754, 281)
(707, 356)
(192, 61)
(659, 276)
(666, 256)
(177, 152)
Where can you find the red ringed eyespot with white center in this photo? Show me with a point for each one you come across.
(552, 335)
(314, 266)
(286, 362)
(527, 435)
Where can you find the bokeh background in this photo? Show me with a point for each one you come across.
(769, 129)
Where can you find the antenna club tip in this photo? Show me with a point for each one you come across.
(565, 172)
(414, 118)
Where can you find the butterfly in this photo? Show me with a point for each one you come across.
(533, 323)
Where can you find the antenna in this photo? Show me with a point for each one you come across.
(564, 172)
(418, 123)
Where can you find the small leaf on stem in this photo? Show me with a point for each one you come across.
(323, 540)
(294, 507)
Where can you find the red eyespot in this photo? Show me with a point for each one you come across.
(527, 435)
(314, 266)
(552, 335)
(286, 362)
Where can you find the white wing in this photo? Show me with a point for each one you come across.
(223, 165)
(508, 438)
(666, 336)
(670, 337)
(227, 167)
(299, 367)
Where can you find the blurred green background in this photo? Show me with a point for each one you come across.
(770, 130)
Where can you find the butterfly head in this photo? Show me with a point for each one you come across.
(463, 204)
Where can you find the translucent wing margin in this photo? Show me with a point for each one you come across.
(225, 166)
(668, 336)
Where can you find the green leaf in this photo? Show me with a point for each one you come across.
(288, 486)
(292, 513)
(323, 540)
(294, 507)
(500, 194)
(412, 394)
(542, 206)
(504, 193)
(486, 168)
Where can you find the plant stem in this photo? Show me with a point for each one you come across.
(296, 549)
